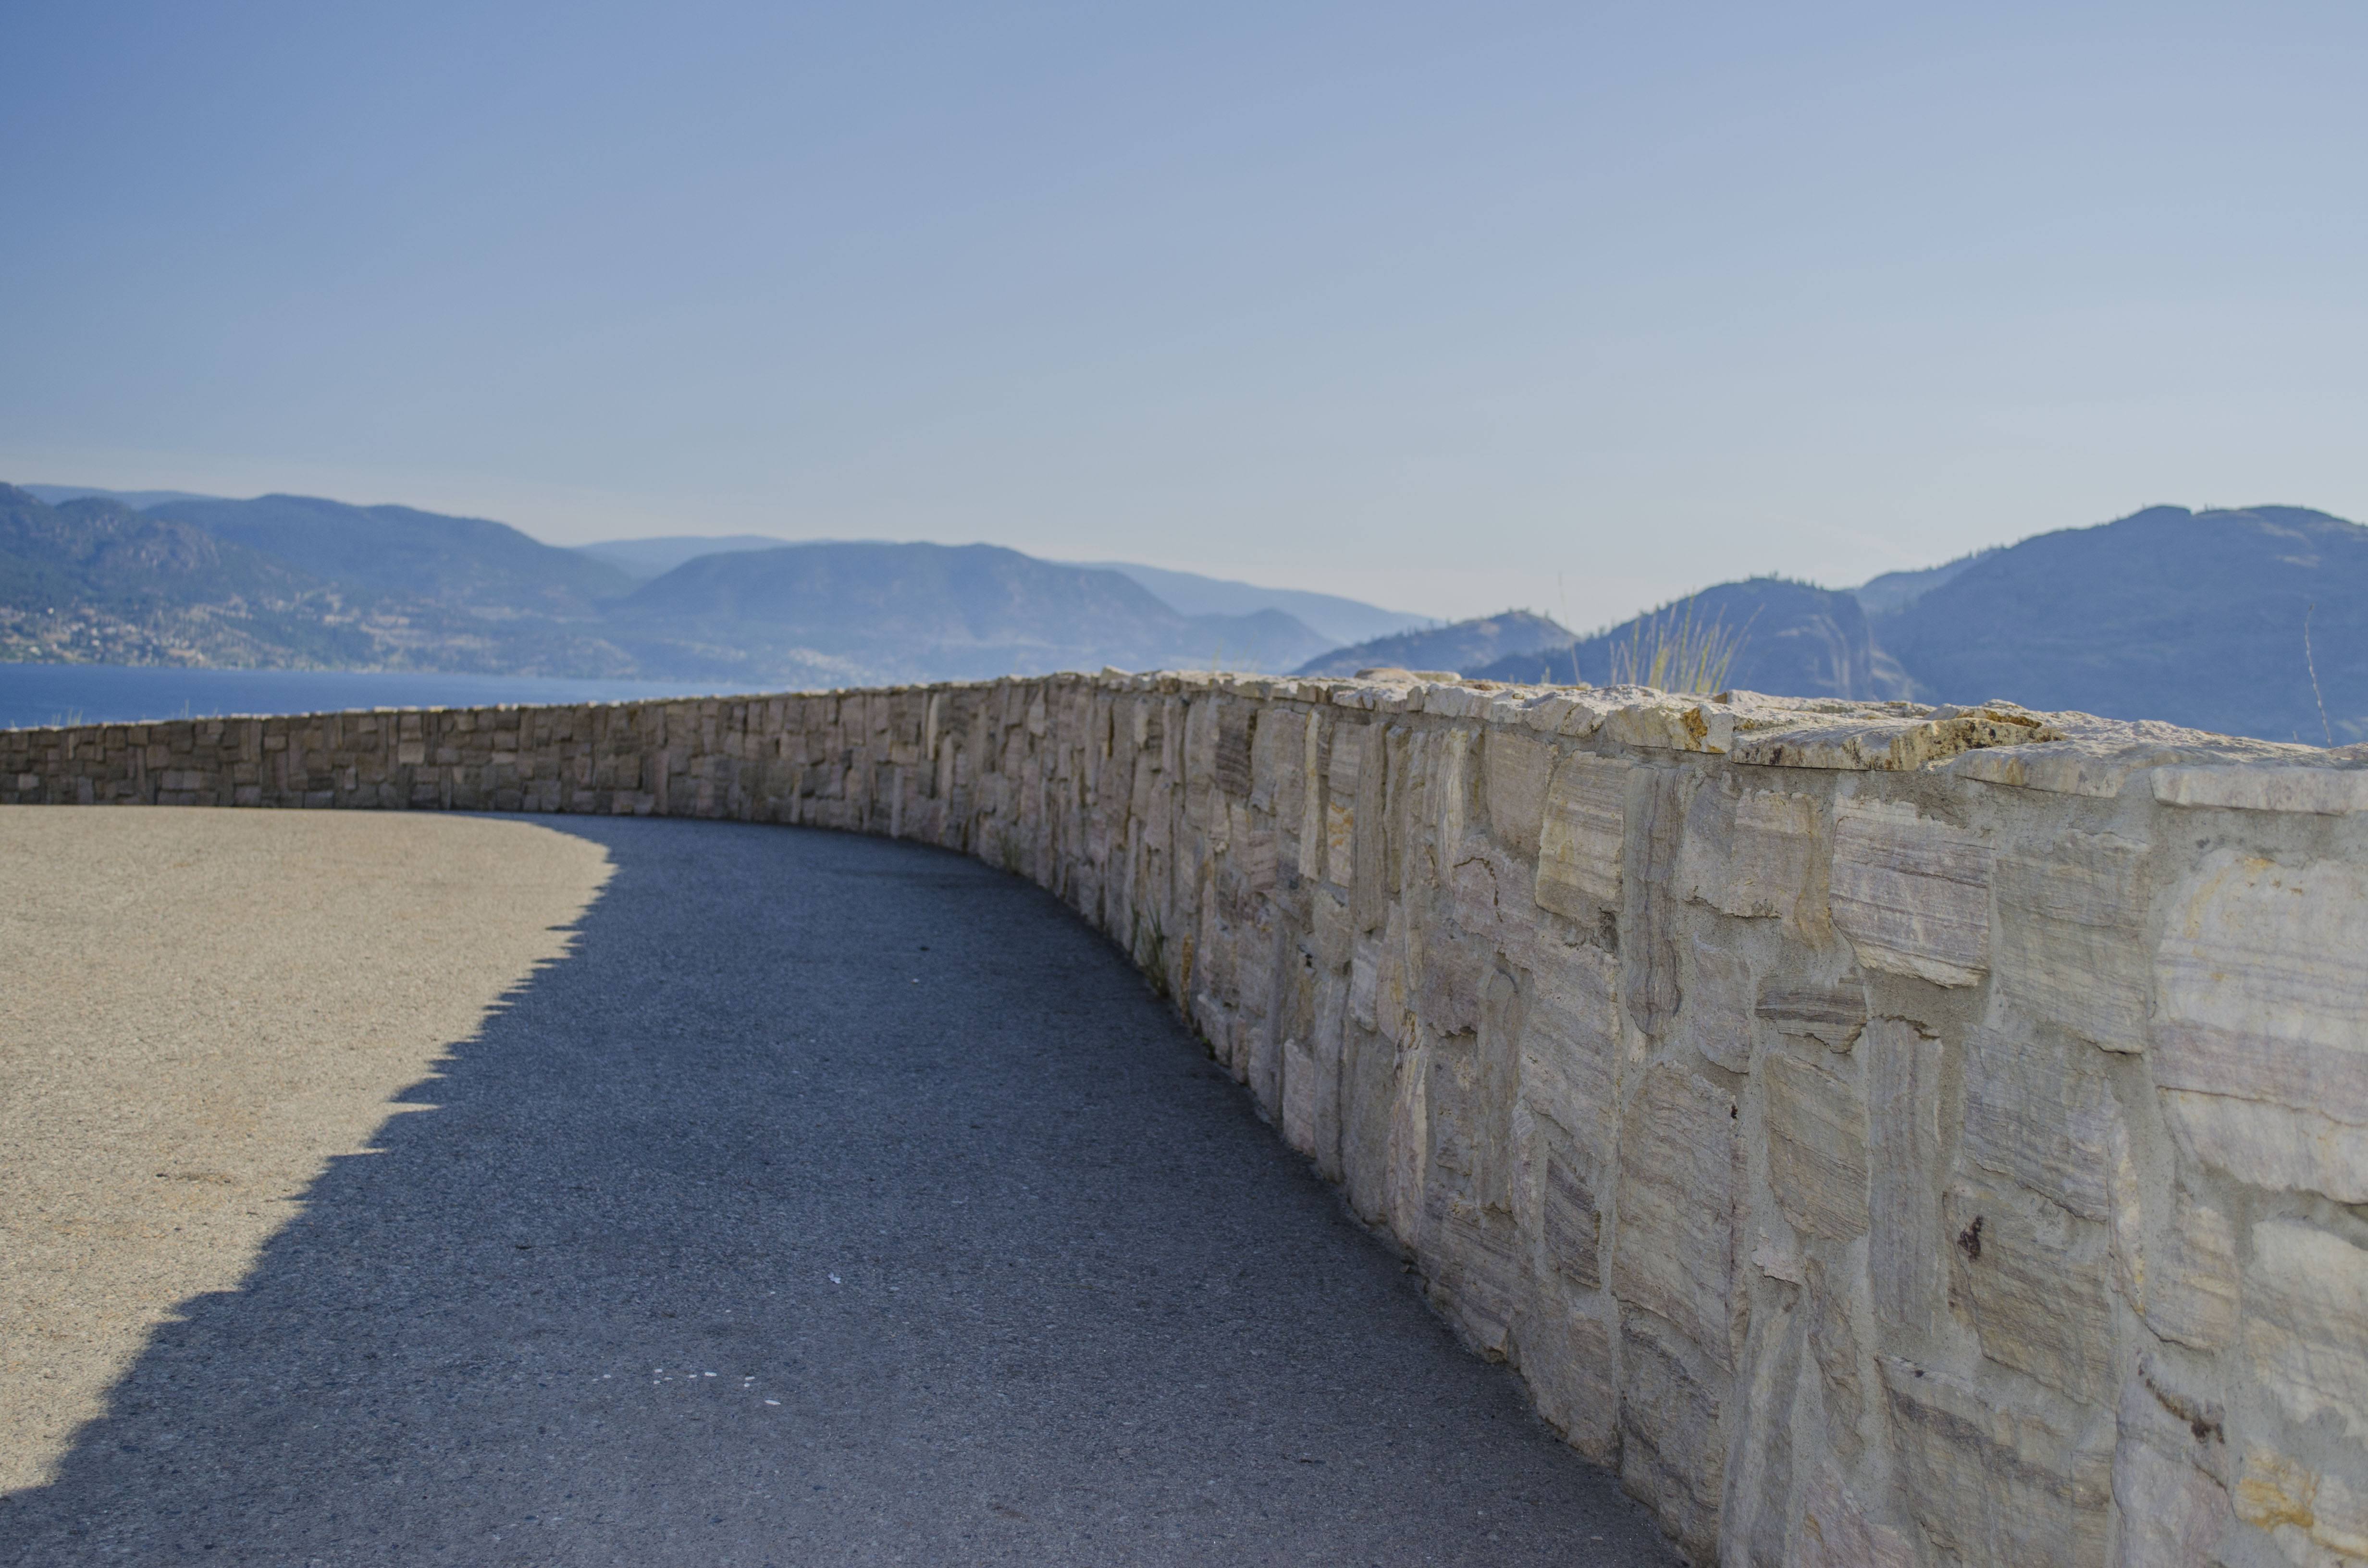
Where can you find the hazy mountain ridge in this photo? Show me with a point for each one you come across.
(402, 552)
(1335, 618)
(916, 611)
(642, 559)
(94, 580)
(138, 500)
(1463, 645)
(2195, 618)
(1897, 590)
(1339, 620)
(284, 581)
(1790, 638)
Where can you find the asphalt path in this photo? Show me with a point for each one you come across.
(834, 1201)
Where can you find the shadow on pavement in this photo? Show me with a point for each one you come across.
(837, 1201)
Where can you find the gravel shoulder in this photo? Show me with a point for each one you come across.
(199, 1010)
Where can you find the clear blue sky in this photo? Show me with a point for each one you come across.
(1448, 306)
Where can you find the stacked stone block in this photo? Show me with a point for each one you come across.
(1888, 1135)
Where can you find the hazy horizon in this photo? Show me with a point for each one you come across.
(1447, 312)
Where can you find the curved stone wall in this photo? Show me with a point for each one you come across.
(1888, 1136)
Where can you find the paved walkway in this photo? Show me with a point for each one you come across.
(835, 1201)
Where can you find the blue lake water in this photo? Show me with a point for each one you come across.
(33, 695)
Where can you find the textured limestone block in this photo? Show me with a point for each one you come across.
(1341, 785)
(1566, 1359)
(1672, 724)
(1716, 1017)
(1477, 1274)
(1911, 893)
(1474, 1086)
(1414, 862)
(1707, 842)
(1268, 1012)
(1755, 1513)
(2190, 1293)
(1315, 828)
(1231, 765)
(1279, 766)
(1868, 739)
(2260, 1030)
(1364, 978)
(1331, 939)
(1557, 1200)
(2307, 1322)
(1432, 799)
(2038, 1108)
(1518, 769)
(1649, 968)
(1681, 1179)
(2329, 791)
(2317, 1520)
(1393, 996)
(1776, 1260)
(1311, 1079)
(1407, 1178)
(1904, 1242)
(1757, 854)
(1993, 1483)
(2034, 1281)
(2173, 1508)
(1369, 1097)
(1199, 760)
(1816, 1142)
(1255, 868)
(1371, 898)
(1451, 701)
(2071, 937)
(1570, 1224)
(1453, 952)
(1832, 1015)
(1834, 1345)
(1673, 1454)
(1570, 1046)
(1215, 950)
(1835, 1532)
(1778, 866)
(1566, 713)
(1580, 837)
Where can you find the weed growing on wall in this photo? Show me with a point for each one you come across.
(1672, 652)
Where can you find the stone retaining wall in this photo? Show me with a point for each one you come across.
(1888, 1135)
